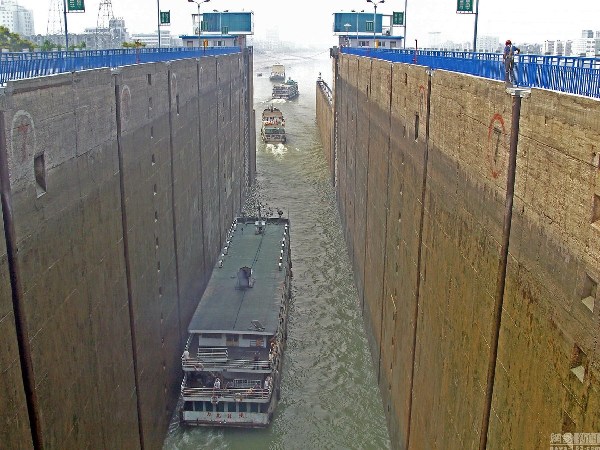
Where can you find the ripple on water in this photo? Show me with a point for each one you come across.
(278, 150)
(330, 398)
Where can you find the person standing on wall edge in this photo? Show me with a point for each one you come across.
(509, 63)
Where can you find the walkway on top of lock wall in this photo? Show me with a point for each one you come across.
(19, 65)
(570, 74)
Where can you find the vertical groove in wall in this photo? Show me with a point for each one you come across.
(502, 263)
(364, 265)
(126, 256)
(334, 167)
(351, 238)
(173, 203)
(17, 294)
(339, 196)
(201, 194)
(232, 168)
(419, 253)
(385, 233)
(220, 214)
(344, 95)
(243, 130)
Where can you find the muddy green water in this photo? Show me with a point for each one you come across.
(330, 398)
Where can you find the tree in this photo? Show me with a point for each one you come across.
(79, 46)
(13, 41)
(47, 46)
(135, 44)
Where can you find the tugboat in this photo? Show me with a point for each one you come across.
(233, 355)
(277, 73)
(273, 126)
(287, 90)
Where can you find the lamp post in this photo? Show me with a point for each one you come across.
(475, 30)
(357, 24)
(405, 5)
(158, 7)
(66, 32)
(347, 26)
(198, 3)
(375, 3)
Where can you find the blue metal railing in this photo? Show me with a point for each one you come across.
(15, 66)
(574, 75)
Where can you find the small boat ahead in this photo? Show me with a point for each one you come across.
(273, 126)
(277, 72)
(286, 90)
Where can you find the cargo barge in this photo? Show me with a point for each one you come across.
(277, 72)
(234, 351)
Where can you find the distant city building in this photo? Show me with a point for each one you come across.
(151, 39)
(434, 40)
(16, 18)
(456, 46)
(558, 47)
(272, 41)
(111, 37)
(585, 46)
(587, 34)
(91, 38)
(488, 44)
(549, 47)
(75, 40)
(530, 49)
(272, 34)
(564, 48)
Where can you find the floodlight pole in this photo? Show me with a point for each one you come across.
(375, 3)
(405, 4)
(198, 3)
(475, 32)
(158, 8)
(66, 30)
(346, 26)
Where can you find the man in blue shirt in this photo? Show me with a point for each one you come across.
(509, 63)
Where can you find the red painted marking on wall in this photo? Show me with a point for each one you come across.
(496, 136)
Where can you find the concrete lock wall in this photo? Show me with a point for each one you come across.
(423, 163)
(15, 431)
(119, 193)
(324, 111)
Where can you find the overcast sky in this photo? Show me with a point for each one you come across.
(311, 20)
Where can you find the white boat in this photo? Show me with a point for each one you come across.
(272, 129)
(277, 72)
(286, 90)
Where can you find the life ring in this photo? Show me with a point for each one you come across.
(214, 399)
(238, 397)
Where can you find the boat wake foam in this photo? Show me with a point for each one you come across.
(277, 149)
